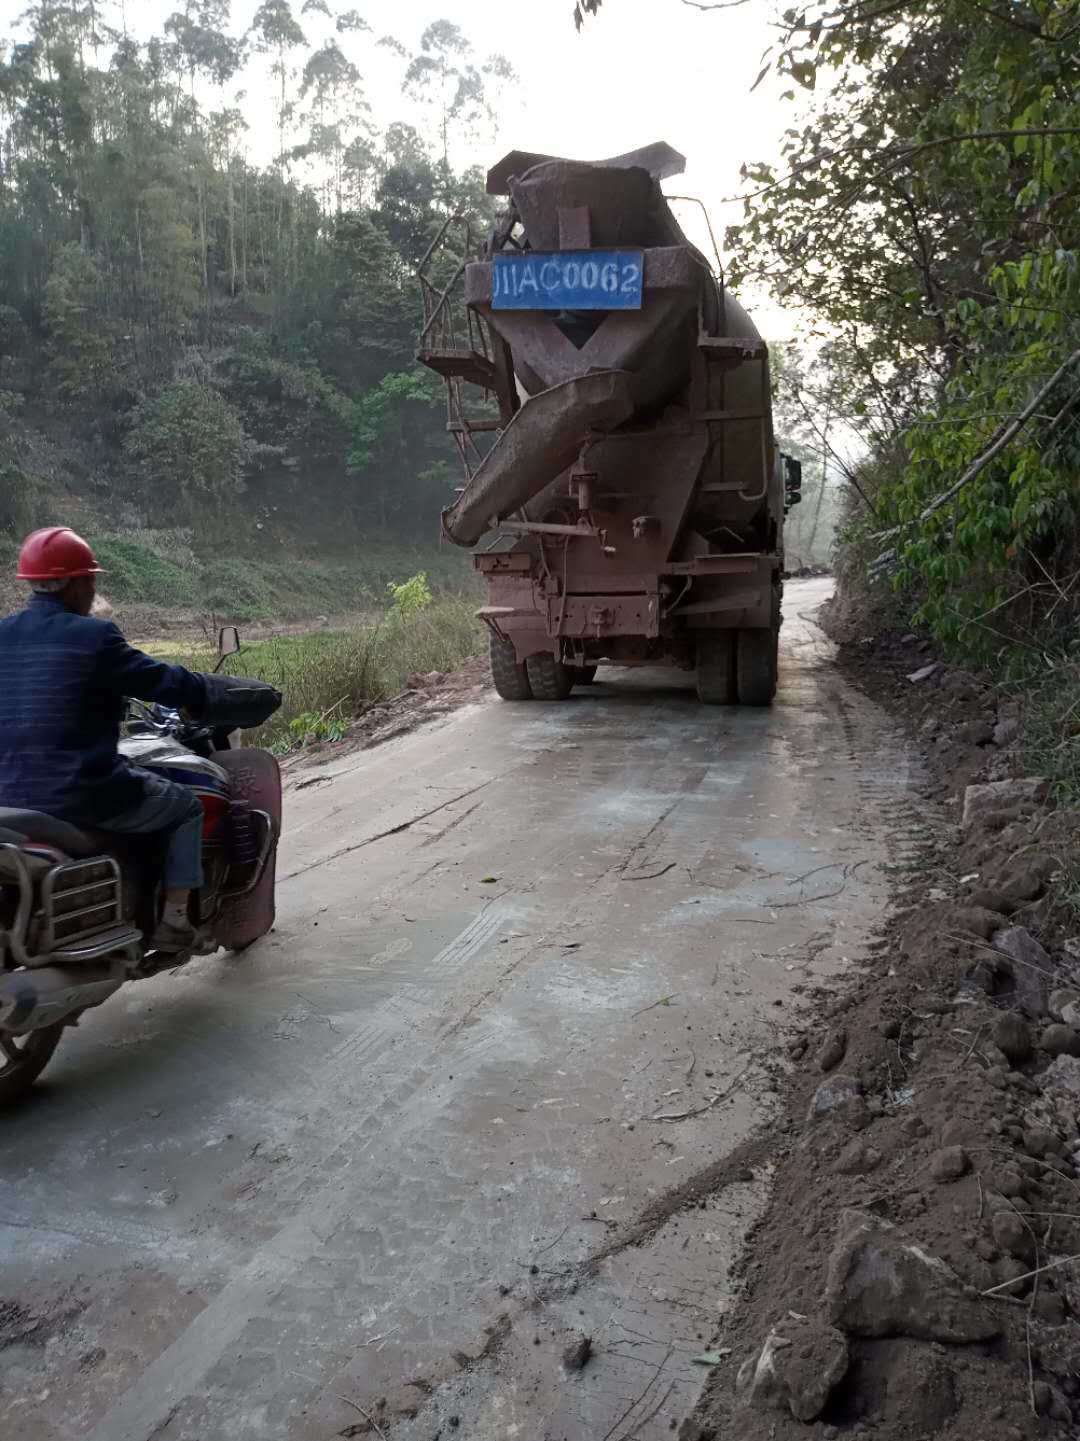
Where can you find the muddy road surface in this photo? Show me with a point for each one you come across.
(535, 971)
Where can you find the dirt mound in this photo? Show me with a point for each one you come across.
(915, 1275)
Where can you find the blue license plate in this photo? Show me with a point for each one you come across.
(568, 280)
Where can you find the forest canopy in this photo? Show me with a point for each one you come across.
(191, 324)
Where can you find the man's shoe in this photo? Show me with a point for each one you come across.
(172, 939)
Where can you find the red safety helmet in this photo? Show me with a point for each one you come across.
(56, 553)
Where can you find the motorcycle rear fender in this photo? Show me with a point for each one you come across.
(254, 778)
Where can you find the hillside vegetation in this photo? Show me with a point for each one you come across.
(196, 343)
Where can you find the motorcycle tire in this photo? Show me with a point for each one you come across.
(23, 1058)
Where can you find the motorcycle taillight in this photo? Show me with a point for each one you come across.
(240, 838)
(215, 810)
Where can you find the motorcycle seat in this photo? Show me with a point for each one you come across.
(74, 841)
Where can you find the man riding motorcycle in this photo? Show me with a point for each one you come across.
(64, 677)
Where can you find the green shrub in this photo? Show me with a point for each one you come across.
(185, 449)
(412, 595)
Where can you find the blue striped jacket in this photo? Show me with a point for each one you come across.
(63, 679)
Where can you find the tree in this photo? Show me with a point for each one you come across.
(185, 450)
(83, 343)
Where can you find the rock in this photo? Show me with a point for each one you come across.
(959, 1132)
(796, 1371)
(879, 1284)
(1012, 1235)
(978, 922)
(1070, 1014)
(998, 802)
(1012, 1036)
(577, 1352)
(857, 1159)
(1006, 730)
(1008, 1183)
(977, 732)
(992, 900)
(1039, 1142)
(924, 672)
(1063, 1076)
(841, 1098)
(833, 1051)
(948, 1164)
(1059, 999)
(1010, 1275)
(1031, 967)
(1021, 883)
(889, 1029)
(1060, 1040)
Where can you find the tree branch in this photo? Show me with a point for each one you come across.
(1003, 437)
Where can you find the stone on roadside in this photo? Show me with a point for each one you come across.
(857, 1159)
(997, 802)
(1030, 965)
(879, 1284)
(839, 1098)
(833, 1051)
(1059, 1039)
(797, 1370)
(1008, 1182)
(1059, 999)
(1063, 1076)
(577, 1352)
(924, 672)
(1011, 1275)
(948, 1164)
(1006, 730)
(1012, 1235)
(1012, 1036)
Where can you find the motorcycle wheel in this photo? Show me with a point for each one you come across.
(23, 1058)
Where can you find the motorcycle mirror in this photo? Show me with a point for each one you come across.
(228, 643)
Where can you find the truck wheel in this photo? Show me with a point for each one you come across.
(509, 678)
(548, 677)
(757, 665)
(583, 674)
(23, 1058)
(716, 667)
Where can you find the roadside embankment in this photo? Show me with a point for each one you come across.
(917, 1274)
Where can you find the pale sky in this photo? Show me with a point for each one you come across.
(645, 70)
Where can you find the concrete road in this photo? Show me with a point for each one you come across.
(534, 971)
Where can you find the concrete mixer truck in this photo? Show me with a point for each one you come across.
(623, 496)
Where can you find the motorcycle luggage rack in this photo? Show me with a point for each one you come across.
(79, 916)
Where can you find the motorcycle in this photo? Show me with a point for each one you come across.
(77, 904)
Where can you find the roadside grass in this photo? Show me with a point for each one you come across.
(160, 568)
(1052, 733)
(328, 677)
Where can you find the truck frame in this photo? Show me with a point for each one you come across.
(624, 498)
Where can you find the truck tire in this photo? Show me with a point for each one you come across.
(23, 1058)
(548, 677)
(716, 667)
(583, 674)
(508, 676)
(757, 665)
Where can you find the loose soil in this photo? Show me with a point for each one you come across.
(971, 1154)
